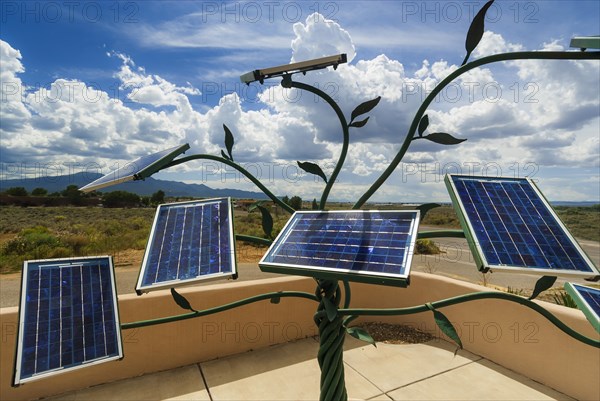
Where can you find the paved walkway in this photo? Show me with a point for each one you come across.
(290, 371)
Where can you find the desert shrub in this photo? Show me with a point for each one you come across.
(31, 239)
(426, 247)
(31, 243)
(564, 299)
(77, 242)
(516, 291)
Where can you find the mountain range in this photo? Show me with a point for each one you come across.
(143, 188)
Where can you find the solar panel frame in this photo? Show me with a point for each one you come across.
(323, 272)
(477, 249)
(138, 169)
(19, 377)
(592, 312)
(141, 287)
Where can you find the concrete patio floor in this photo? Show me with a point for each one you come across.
(290, 371)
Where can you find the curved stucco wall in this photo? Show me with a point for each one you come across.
(504, 332)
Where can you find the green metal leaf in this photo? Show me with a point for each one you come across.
(228, 141)
(447, 328)
(313, 169)
(256, 204)
(544, 283)
(358, 124)
(181, 301)
(443, 138)
(476, 31)
(330, 309)
(364, 107)
(224, 156)
(426, 207)
(267, 221)
(275, 300)
(361, 334)
(423, 124)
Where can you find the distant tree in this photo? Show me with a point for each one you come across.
(39, 192)
(55, 194)
(315, 206)
(92, 194)
(158, 197)
(16, 191)
(120, 199)
(145, 201)
(285, 200)
(73, 193)
(296, 202)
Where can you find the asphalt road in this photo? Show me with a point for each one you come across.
(455, 261)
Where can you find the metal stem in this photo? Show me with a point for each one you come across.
(252, 239)
(331, 342)
(441, 234)
(474, 297)
(220, 308)
(288, 83)
(239, 168)
(461, 70)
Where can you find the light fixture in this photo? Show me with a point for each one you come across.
(586, 42)
(302, 66)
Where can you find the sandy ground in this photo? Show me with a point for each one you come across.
(127, 265)
(455, 261)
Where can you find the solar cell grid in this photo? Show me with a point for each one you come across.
(591, 297)
(189, 241)
(588, 301)
(348, 243)
(68, 316)
(140, 168)
(513, 226)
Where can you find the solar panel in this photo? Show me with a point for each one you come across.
(510, 226)
(138, 169)
(357, 245)
(189, 242)
(588, 300)
(68, 317)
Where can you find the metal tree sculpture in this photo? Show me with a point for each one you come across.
(332, 320)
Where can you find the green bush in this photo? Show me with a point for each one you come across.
(31, 243)
(30, 240)
(426, 247)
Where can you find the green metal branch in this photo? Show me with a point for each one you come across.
(441, 234)
(288, 83)
(239, 168)
(221, 308)
(473, 297)
(347, 293)
(541, 55)
(253, 240)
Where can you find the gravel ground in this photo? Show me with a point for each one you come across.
(395, 333)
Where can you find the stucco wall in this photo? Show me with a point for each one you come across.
(504, 332)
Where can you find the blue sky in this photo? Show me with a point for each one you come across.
(88, 86)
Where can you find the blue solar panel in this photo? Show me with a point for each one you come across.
(140, 168)
(189, 241)
(512, 227)
(368, 246)
(68, 317)
(588, 300)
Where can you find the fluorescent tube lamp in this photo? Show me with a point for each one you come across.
(302, 66)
